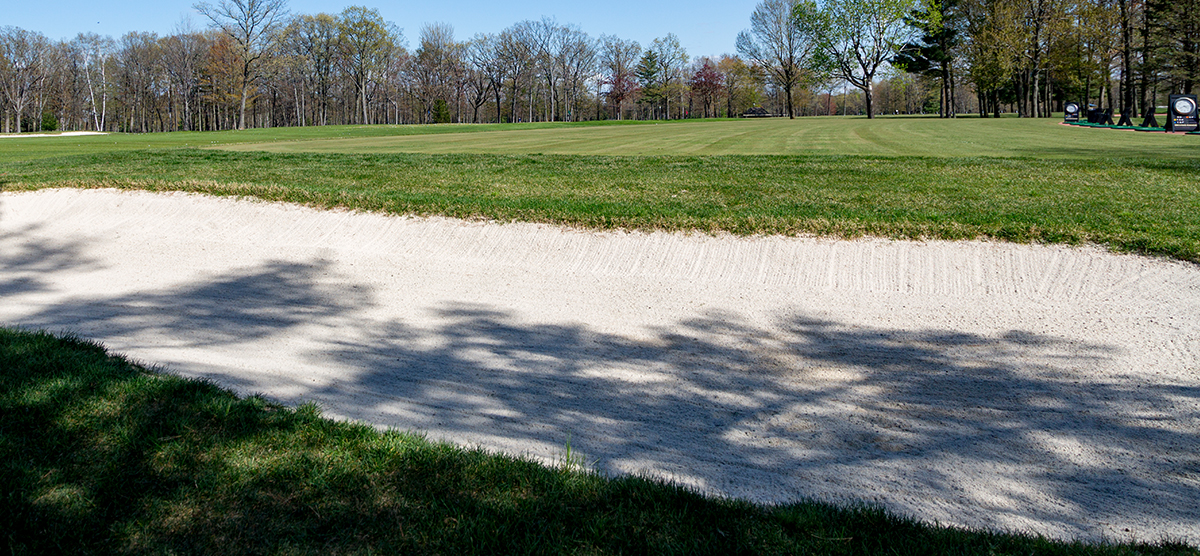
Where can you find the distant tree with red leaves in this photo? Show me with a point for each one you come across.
(618, 61)
(706, 84)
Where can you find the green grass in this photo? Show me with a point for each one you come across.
(1013, 179)
(1149, 206)
(885, 136)
(21, 148)
(98, 455)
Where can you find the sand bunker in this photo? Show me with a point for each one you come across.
(63, 134)
(1040, 388)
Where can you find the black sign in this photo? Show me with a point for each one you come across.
(1182, 114)
(1072, 112)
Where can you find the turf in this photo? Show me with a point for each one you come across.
(1141, 205)
(1013, 179)
(102, 456)
(16, 148)
(887, 136)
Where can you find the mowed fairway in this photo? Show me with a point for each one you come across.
(1011, 179)
(886, 136)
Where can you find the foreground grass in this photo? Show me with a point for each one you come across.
(98, 455)
(1149, 206)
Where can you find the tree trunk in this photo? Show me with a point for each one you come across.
(363, 97)
(953, 97)
(1148, 104)
(867, 98)
(1034, 93)
(1126, 63)
(787, 91)
(496, 88)
(1019, 84)
(242, 117)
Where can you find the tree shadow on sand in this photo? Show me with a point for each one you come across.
(244, 305)
(997, 431)
(25, 262)
(994, 431)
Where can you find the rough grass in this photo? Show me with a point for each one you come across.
(99, 455)
(1147, 206)
(1013, 179)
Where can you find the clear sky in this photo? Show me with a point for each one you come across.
(705, 27)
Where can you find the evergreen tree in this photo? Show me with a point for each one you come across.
(1175, 25)
(649, 73)
(441, 112)
(932, 53)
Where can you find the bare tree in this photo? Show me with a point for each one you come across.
(251, 25)
(139, 69)
(313, 41)
(66, 85)
(779, 46)
(485, 56)
(517, 49)
(23, 67)
(97, 53)
(673, 61)
(396, 83)
(434, 65)
(545, 40)
(479, 59)
(618, 62)
(577, 64)
(183, 56)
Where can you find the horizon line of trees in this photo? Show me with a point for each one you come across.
(1024, 55)
(354, 68)
(258, 66)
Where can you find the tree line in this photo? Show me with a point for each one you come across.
(1026, 56)
(255, 65)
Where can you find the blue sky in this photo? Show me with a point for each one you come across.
(705, 27)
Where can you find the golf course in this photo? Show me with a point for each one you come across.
(1018, 180)
(823, 335)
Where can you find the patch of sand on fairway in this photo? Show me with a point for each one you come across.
(63, 134)
(1042, 388)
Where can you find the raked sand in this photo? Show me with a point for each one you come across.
(1043, 388)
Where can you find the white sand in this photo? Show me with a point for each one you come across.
(63, 134)
(1042, 388)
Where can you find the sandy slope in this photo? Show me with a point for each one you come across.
(1053, 389)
